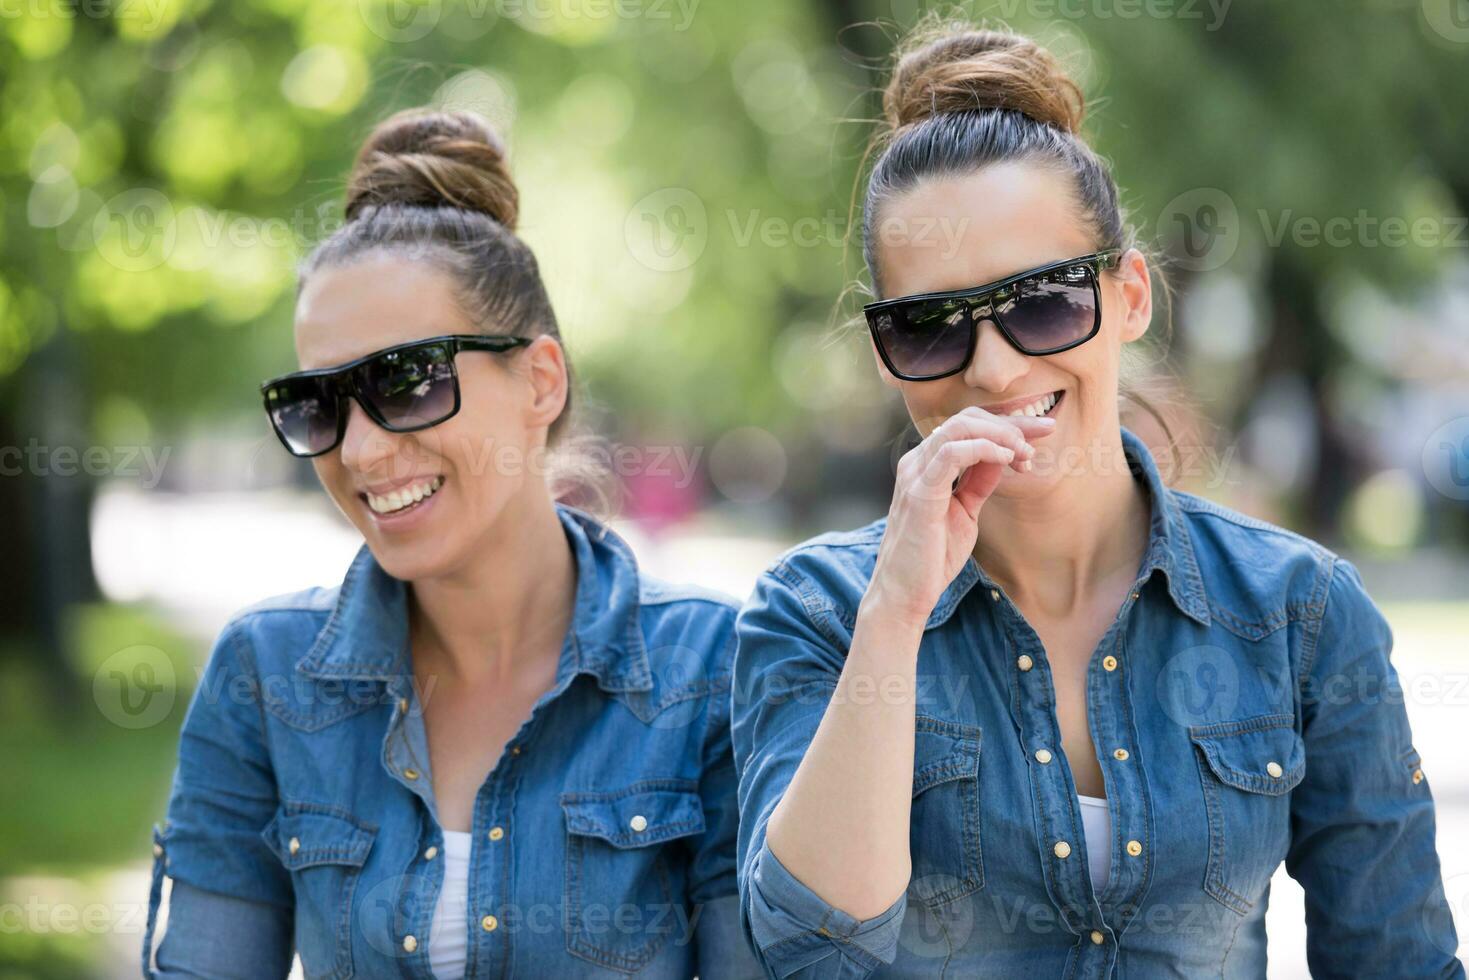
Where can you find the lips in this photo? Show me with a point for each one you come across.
(1036, 406)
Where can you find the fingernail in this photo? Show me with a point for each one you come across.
(1045, 420)
(1029, 465)
(1009, 454)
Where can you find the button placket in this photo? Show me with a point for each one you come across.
(1110, 714)
(492, 883)
(1115, 734)
(1040, 732)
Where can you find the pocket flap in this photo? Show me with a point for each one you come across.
(943, 750)
(305, 837)
(648, 812)
(1258, 755)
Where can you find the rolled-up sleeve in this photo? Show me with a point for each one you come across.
(790, 652)
(1362, 820)
(224, 794)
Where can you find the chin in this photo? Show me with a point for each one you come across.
(411, 562)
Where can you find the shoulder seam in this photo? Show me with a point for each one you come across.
(1202, 506)
(1313, 635)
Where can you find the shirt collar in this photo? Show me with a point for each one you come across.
(1170, 546)
(366, 635)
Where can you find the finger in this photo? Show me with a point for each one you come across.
(950, 459)
(978, 424)
(974, 487)
(1022, 463)
(1033, 426)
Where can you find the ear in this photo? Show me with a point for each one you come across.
(882, 369)
(1135, 287)
(544, 364)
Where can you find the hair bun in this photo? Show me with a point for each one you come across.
(433, 158)
(953, 69)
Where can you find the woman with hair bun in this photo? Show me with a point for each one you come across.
(497, 748)
(1051, 717)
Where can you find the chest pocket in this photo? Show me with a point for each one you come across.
(944, 827)
(324, 850)
(625, 869)
(1247, 769)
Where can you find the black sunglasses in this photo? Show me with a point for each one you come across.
(402, 388)
(1044, 310)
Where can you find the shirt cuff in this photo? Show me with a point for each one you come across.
(794, 928)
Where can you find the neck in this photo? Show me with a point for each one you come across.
(1051, 552)
(508, 608)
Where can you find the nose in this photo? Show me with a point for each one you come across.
(365, 444)
(996, 364)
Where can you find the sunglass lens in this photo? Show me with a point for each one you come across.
(1050, 311)
(925, 338)
(305, 413)
(410, 389)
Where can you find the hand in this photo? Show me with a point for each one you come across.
(934, 519)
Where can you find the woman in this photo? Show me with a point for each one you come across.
(1050, 717)
(496, 749)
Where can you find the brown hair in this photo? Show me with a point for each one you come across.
(434, 186)
(961, 98)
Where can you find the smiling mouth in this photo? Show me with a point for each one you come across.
(403, 499)
(1039, 408)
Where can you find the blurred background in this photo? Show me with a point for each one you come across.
(687, 171)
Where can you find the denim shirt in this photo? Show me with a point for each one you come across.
(1244, 712)
(302, 811)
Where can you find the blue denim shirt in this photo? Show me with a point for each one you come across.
(1244, 712)
(303, 814)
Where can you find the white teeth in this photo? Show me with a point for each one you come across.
(1039, 407)
(402, 497)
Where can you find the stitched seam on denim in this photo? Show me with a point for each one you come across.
(1195, 504)
(310, 724)
(1242, 726)
(957, 729)
(1313, 632)
(816, 606)
(690, 691)
(964, 771)
(1174, 511)
(245, 659)
(579, 942)
(1233, 936)
(342, 962)
(1214, 867)
(869, 961)
(333, 623)
(664, 783)
(1248, 629)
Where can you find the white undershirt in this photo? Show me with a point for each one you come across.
(1096, 823)
(448, 935)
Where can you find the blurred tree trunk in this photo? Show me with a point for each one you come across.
(46, 538)
(1299, 344)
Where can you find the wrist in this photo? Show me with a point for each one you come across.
(883, 609)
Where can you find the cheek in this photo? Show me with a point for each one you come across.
(484, 446)
(930, 402)
(331, 473)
